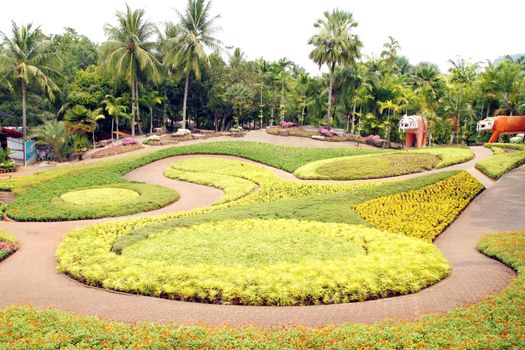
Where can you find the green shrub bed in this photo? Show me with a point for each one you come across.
(36, 192)
(384, 165)
(494, 323)
(272, 262)
(423, 213)
(502, 162)
(368, 167)
(8, 244)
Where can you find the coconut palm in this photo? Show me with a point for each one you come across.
(116, 109)
(79, 120)
(334, 44)
(187, 51)
(128, 53)
(30, 62)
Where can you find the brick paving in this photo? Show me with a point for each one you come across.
(30, 277)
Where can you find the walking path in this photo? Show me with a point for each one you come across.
(30, 277)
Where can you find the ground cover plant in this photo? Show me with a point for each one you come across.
(501, 162)
(35, 193)
(384, 165)
(8, 244)
(88, 259)
(425, 212)
(275, 262)
(494, 323)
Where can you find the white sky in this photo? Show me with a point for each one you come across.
(427, 30)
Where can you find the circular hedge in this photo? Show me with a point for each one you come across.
(112, 200)
(259, 262)
(368, 167)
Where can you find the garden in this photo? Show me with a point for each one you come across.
(307, 223)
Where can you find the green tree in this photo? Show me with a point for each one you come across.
(150, 100)
(53, 133)
(79, 120)
(26, 55)
(115, 107)
(334, 44)
(187, 51)
(128, 53)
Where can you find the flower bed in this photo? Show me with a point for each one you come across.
(502, 162)
(422, 213)
(8, 244)
(114, 150)
(493, 323)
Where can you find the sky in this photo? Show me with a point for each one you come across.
(427, 30)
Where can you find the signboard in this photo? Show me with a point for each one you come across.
(22, 152)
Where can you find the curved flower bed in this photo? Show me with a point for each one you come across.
(8, 244)
(423, 213)
(269, 262)
(494, 323)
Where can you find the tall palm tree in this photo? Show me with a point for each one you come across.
(128, 53)
(334, 44)
(30, 62)
(187, 51)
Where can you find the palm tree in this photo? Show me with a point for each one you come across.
(334, 45)
(116, 109)
(128, 53)
(391, 107)
(52, 133)
(79, 120)
(30, 61)
(150, 100)
(187, 51)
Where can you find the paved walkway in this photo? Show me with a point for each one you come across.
(30, 277)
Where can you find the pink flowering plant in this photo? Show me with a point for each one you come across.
(285, 124)
(129, 141)
(325, 132)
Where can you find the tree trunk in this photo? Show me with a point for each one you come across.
(151, 120)
(139, 129)
(116, 124)
(165, 108)
(185, 100)
(93, 137)
(24, 115)
(330, 87)
(353, 120)
(112, 128)
(133, 107)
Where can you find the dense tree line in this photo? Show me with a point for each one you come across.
(147, 75)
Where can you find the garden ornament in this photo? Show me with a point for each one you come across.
(501, 125)
(415, 128)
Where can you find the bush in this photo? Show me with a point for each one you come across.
(8, 244)
(494, 323)
(502, 162)
(285, 124)
(422, 213)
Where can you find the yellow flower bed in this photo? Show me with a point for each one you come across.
(423, 213)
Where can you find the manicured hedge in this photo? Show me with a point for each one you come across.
(494, 323)
(425, 212)
(35, 193)
(384, 165)
(271, 262)
(502, 162)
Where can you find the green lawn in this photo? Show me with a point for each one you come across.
(501, 162)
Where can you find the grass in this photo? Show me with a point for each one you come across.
(93, 253)
(36, 193)
(493, 323)
(95, 196)
(274, 262)
(502, 162)
(384, 165)
(367, 167)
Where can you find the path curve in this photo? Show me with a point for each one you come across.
(30, 277)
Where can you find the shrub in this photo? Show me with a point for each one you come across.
(8, 244)
(502, 162)
(325, 132)
(423, 213)
(285, 124)
(494, 323)
(129, 141)
(182, 131)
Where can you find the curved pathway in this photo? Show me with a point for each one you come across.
(30, 277)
